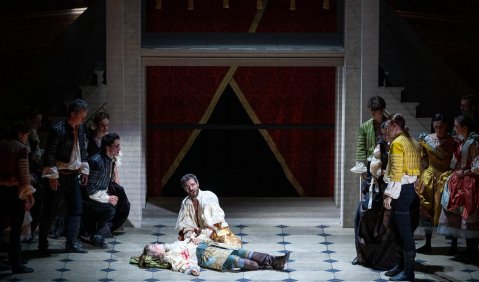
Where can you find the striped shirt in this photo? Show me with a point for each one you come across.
(14, 169)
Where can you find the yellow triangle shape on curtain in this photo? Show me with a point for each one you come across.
(267, 137)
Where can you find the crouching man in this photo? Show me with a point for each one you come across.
(106, 206)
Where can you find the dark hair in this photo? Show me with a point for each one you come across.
(473, 99)
(187, 177)
(385, 124)
(76, 105)
(376, 103)
(464, 120)
(99, 117)
(33, 112)
(108, 140)
(398, 119)
(17, 127)
(437, 117)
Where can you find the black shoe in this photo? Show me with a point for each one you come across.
(21, 269)
(403, 276)
(424, 249)
(44, 252)
(355, 261)
(98, 241)
(452, 251)
(278, 263)
(75, 248)
(394, 271)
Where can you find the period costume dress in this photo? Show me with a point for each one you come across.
(437, 155)
(375, 245)
(460, 199)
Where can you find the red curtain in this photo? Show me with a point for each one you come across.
(301, 99)
(175, 95)
(297, 96)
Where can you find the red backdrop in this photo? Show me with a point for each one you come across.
(294, 96)
(303, 96)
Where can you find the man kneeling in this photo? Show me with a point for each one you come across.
(106, 206)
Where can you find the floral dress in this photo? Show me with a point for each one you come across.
(460, 199)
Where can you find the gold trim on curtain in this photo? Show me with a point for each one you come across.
(196, 132)
(269, 140)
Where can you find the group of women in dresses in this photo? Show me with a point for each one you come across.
(446, 190)
(449, 195)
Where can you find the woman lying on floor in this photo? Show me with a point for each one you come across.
(188, 256)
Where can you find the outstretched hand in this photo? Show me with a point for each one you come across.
(195, 272)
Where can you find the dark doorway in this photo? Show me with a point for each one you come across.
(231, 157)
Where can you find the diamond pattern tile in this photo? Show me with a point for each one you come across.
(282, 234)
(326, 243)
(67, 260)
(110, 260)
(151, 280)
(333, 270)
(284, 243)
(330, 261)
(158, 234)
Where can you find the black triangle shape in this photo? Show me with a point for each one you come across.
(231, 162)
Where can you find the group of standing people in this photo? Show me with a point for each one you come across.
(71, 169)
(431, 182)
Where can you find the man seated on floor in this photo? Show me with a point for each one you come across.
(106, 206)
(201, 210)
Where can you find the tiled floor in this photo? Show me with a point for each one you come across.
(309, 227)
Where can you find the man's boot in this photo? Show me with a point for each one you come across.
(266, 261)
(400, 263)
(408, 273)
(250, 265)
(280, 262)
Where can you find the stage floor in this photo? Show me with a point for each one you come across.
(309, 227)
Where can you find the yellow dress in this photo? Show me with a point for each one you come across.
(430, 184)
